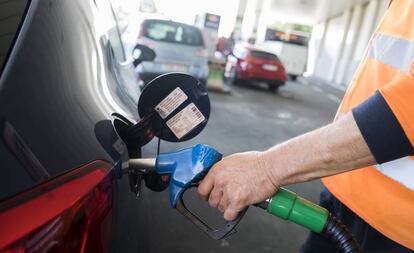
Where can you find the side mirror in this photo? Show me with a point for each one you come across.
(142, 53)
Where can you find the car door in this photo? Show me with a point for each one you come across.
(64, 72)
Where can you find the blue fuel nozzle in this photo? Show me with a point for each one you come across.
(186, 167)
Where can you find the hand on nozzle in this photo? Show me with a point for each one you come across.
(236, 182)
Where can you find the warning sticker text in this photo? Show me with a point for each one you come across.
(171, 102)
(185, 121)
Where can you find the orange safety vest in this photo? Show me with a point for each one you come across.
(383, 195)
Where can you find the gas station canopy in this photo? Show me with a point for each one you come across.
(309, 11)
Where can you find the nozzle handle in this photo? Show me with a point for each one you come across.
(186, 167)
(216, 234)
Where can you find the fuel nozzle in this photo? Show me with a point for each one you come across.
(139, 164)
(188, 167)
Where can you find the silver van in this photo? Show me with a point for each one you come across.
(179, 48)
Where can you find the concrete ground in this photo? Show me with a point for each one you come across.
(251, 118)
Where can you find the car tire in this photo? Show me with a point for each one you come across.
(293, 77)
(273, 87)
(233, 79)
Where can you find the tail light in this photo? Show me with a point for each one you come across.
(71, 213)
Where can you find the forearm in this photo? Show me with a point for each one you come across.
(378, 130)
(333, 149)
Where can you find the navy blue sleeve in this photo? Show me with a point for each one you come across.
(381, 130)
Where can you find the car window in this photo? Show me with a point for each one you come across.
(263, 55)
(11, 13)
(172, 32)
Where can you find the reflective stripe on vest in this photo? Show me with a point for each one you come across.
(400, 170)
(399, 54)
(393, 51)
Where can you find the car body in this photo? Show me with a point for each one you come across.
(254, 65)
(179, 48)
(63, 74)
(293, 56)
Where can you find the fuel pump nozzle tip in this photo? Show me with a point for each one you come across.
(144, 165)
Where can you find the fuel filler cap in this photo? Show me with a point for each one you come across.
(177, 106)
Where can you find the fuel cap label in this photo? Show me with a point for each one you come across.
(171, 102)
(167, 99)
(185, 121)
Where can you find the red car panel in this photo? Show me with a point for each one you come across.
(255, 69)
(71, 213)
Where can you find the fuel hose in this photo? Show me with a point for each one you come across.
(289, 206)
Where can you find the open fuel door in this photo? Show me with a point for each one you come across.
(173, 107)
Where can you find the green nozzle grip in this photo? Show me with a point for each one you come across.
(287, 205)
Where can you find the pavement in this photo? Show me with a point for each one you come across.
(250, 118)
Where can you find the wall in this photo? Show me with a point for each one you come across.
(332, 43)
(335, 57)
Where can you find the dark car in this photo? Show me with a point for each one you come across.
(63, 75)
(254, 65)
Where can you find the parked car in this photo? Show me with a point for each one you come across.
(63, 74)
(253, 65)
(179, 48)
(291, 48)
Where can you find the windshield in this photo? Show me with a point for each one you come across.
(263, 55)
(172, 32)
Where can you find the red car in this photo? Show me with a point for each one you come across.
(254, 65)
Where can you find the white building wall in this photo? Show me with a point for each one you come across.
(331, 46)
(367, 28)
(349, 42)
(251, 18)
(315, 46)
(344, 41)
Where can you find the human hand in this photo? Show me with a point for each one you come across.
(236, 182)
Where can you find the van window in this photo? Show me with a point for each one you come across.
(172, 32)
